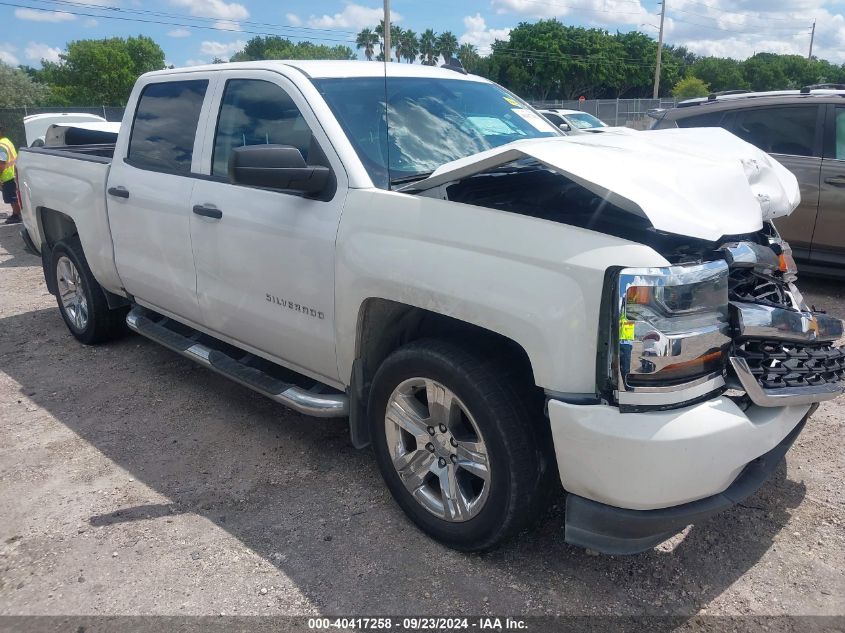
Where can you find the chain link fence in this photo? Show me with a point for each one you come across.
(12, 118)
(623, 112)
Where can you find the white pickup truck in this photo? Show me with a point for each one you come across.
(492, 305)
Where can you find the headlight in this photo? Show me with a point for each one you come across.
(673, 334)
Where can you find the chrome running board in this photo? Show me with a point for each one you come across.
(206, 351)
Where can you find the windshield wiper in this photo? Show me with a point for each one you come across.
(408, 179)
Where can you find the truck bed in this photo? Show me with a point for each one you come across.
(70, 181)
(102, 152)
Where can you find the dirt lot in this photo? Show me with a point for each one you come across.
(134, 482)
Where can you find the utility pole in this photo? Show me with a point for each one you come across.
(659, 51)
(387, 30)
(812, 37)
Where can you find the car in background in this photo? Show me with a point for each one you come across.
(574, 121)
(805, 131)
(36, 125)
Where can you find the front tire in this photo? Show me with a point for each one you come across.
(458, 448)
(81, 299)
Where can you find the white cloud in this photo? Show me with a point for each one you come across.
(227, 25)
(213, 9)
(43, 16)
(479, 35)
(90, 23)
(602, 13)
(353, 16)
(293, 19)
(221, 49)
(729, 28)
(36, 51)
(7, 55)
(196, 62)
(179, 33)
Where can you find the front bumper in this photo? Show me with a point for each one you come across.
(613, 530)
(659, 460)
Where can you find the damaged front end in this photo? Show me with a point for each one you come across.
(736, 321)
(724, 314)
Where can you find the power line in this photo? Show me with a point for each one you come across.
(346, 40)
(185, 17)
(753, 14)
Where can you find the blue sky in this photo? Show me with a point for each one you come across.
(196, 31)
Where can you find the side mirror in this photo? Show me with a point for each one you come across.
(276, 167)
(565, 127)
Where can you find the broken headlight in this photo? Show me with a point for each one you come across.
(670, 334)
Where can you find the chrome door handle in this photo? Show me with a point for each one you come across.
(836, 181)
(208, 211)
(119, 192)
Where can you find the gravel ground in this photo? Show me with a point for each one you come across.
(134, 482)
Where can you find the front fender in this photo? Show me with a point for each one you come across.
(533, 281)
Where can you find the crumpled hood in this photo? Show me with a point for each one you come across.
(699, 182)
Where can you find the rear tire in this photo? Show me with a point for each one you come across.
(440, 413)
(82, 301)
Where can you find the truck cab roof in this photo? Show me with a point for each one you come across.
(331, 69)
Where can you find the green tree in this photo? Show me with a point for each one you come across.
(276, 47)
(367, 39)
(547, 60)
(19, 89)
(428, 47)
(638, 59)
(409, 46)
(720, 73)
(101, 72)
(690, 87)
(447, 45)
(468, 56)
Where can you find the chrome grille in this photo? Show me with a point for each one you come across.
(778, 364)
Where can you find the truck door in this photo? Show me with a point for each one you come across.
(149, 191)
(265, 261)
(829, 236)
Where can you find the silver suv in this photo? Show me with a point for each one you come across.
(804, 130)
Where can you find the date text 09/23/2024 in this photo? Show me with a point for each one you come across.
(485, 623)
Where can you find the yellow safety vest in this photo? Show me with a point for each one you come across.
(9, 173)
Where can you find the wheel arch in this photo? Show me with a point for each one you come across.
(54, 226)
(384, 325)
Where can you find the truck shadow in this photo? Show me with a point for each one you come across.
(11, 241)
(293, 490)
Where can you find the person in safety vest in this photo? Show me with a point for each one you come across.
(8, 156)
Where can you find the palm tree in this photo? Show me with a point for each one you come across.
(447, 44)
(410, 46)
(396, 42)
(379, 30)
(428, 47)
(367, 39)
(468, 56)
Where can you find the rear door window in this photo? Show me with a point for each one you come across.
(165, 126)
(787, 130)
(840, 133)
(710, 119)
(553, 118)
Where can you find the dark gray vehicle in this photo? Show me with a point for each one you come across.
(804, 130)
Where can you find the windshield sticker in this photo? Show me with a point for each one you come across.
(535, 120)
(489, 125)
(513, 102)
